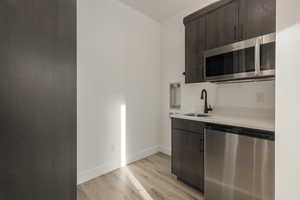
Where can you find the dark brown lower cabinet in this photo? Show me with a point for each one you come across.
(188, 153)
(177, 149)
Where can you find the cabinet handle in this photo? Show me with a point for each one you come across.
(257, 55)
(184, 73)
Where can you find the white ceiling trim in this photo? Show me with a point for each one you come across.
(160, 10)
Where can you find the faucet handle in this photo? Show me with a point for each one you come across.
(210, 108)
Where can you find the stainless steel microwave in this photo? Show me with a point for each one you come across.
(248, 59)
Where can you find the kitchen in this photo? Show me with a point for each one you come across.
(230, 46)
(149, 100)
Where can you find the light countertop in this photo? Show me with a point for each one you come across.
(245, 122)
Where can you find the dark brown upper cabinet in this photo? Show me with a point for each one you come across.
(195, 45)
(222, 25)
(256, 17)
(226, 22)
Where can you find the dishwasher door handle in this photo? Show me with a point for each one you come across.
(224, 129)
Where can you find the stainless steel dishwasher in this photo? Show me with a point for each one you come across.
(239, 164)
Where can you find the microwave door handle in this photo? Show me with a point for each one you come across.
(257, 55)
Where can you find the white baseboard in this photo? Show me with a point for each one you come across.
(112, 165)
(143, 154)
(97, 171)
(165, 150)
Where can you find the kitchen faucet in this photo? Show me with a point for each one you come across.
(206, 108)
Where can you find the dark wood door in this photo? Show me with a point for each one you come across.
(221, 25)
(38, 99)
(192, 167)
(188, 152)
(257, 17)
(195, 45)
(177, 149)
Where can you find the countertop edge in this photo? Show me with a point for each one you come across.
(220, 122)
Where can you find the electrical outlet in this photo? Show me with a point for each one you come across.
(260, 97)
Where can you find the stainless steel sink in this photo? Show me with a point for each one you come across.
(196, 115)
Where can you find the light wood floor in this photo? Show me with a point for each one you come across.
(147, 179)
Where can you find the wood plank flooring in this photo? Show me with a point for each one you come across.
(147, 179)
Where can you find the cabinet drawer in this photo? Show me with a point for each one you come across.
(188, 125)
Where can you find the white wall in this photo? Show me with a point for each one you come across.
(118, 63)
(116, 47)
(288, 100)
(244, 97)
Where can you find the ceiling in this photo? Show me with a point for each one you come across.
(160, 9)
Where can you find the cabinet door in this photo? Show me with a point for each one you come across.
(195, 45)
(177, 149)
(221, 25)
(192, 168)
(257, 17)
